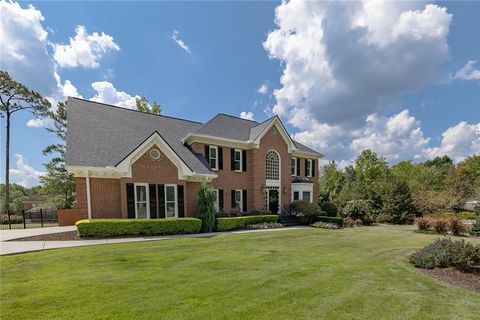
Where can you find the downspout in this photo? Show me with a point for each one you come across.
(89, 202)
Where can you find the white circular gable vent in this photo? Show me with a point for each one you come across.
(155, 154)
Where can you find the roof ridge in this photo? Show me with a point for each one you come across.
(236, 117)
(122, 108)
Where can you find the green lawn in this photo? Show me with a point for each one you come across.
(310, 273)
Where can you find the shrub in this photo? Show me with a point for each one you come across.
(206, 210)
(456, 226)
(13, 218)
(439, 225)
(330, 208)
(359, 209)
(423, 223)
(444, 253)
(134, 227)
(397, 203)
(475, 231)
(308, 212)
(325, 225)
(233, 223)
(264, 225)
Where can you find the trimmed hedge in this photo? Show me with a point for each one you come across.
(336, 220)
(233, 223)
(134, 227)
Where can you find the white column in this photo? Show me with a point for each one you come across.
(89, 202)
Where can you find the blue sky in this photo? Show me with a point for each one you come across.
(404, 82)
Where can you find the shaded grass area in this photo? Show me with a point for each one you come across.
(360, 273)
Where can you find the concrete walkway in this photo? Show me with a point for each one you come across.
(13, 247)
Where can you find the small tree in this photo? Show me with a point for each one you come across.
(359, 209)
(58, 183)
(15, 97)
(144, 106)
(206, 210)
(397, 203)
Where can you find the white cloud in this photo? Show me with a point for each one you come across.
(397, 137)
(468, 72)
(107, 93)
(24, 174)
(84, 50)
(263, 89)
(180, 42)
(345, 60)
(39, 122)
(246, 115)
(458, 142)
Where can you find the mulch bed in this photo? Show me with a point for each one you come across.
(60, 236)
(469, 281)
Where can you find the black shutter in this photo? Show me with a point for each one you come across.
(220, 158)
(207, 154)
(233, 199)
(181, 201)
(298, 166)
(244, 160)
(306, 169)
(153, 201)
(130, 201)
(244, 199)
(161, 201)
(220, 199)
(232, 159)
(313, 168)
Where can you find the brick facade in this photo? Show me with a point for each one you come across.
(109, 196)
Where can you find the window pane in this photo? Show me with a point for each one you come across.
(272, 165)
(141, 210)
(170, 209)
(306, 196)
(294, 163)
(238, 155)
(238, 199)
(213, 152)
(237, 165)
(296, 195)
(141, 193)
(170, 193)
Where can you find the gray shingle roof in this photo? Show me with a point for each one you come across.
(101, 135)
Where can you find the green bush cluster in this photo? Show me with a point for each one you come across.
(308, 212)
(359, 210)
(476, 228)
(233, 223)
(134, 227)
(444, 253)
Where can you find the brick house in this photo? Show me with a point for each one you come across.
(129, 164)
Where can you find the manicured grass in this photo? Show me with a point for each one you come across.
(290, 274)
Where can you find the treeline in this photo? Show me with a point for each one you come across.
(371, 190)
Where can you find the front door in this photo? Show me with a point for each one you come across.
(273, 201)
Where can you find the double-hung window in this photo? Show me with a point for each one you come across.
(308, 169)
(213, 156)
(238, 160)
(238, 200)
(142, 209)
(171, 208)
(294, 166)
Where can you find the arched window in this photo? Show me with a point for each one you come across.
(272, 163)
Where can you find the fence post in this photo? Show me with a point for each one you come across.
(9, 221)
(41, 217)
(24, 220)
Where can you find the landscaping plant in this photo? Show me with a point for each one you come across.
(445, 252)
(359, 210)
(308, 212)
(264, 225)
(206, 209)
(325, 225)
(476, 228)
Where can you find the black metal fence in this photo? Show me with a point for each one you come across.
(28, 219)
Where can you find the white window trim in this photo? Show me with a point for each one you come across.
(216, 204)
(241, 159)
(309, 173)
(216, 158)
(294, 174)
(147, 192)
(176, 200)
(241, 198)
(301, 187)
